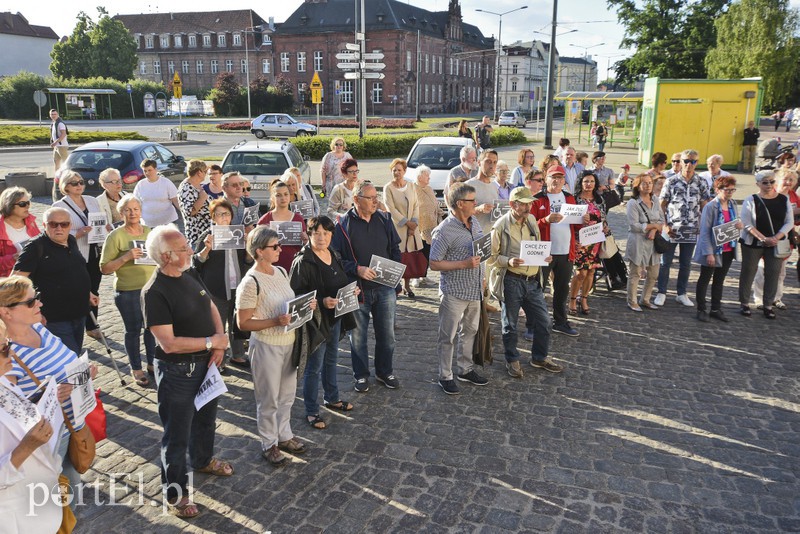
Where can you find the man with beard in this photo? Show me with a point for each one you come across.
(467, 169)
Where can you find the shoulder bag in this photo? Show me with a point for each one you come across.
(660, 244)
(783, 248)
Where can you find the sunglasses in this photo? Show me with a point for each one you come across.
(247, 189)
(29, 303)
(676, 161)
(78, 182)
(338, 144)
(23, 203)
(55, 224)
(353, 172)
(767, 182)
(273, 247)
(5, 349)
(690, 162)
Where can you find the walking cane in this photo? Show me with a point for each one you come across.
(108, 348)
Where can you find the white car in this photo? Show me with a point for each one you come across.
(280, 125)
(512, 118)
(440, 154)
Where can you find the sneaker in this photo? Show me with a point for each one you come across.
(414, 282)
(528, 335)
(514, 369)
(547, 365)
(702, 316)
(473, 378)
(683, 299)
(390, 381)
(718, 315)
(361, 385)
(565, 329)
(778, 304)
(660, 299)
(745, 310)
(449, 386)
(634, 307)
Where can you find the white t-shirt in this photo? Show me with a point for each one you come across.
(484, 194)
(559, 233)
(56, 133)
(17, 236)
(156, 198)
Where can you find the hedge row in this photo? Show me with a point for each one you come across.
(36, 135)
(389, 146)
(333, 123)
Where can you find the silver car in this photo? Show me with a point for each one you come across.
(512, 118)
(440, 154)
(280, 125)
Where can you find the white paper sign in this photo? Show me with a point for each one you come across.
(212, 387)
(98, 222)
(589, 235)
(304, 207)
(289, 232)
(49, 407)
(573, 213)
(82, 396)
(534, 252)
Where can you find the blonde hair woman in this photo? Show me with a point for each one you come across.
(331, 163)
(400, 198)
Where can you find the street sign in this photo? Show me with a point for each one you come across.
(352, 46)
(347, 65)
(316, 95)
(39, 98)
(348, 56)
(129, 88)
(374, 66)
(177, 90)
(366, 76)
(373, 55)
(316, 83)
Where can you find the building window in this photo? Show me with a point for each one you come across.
(408, 60)
(148, 41)
(440, 65)
(521, 99)
(514, 86)
(237, 39)
(171, 67)
(318, 60)
(156, 67)
(185, 67)
(199, 66)
(427, 64)
(284, 61)
(427, 92)
(178, 41)
(138, 39)
(450, 65)
(214, 66)
(301, 62)
(514, 68)
(142, 67)
(457, 67)
(440, 94)
(479, 70)
(265, 66)
(377, 93)
(408, 95)
(164, 41)
(302, 88)
(193, 41)
(243, 66)
(346, 92)
(221, 40)
(207, 39)
(266, 39)
(228, 65)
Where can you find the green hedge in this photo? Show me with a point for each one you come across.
(389, 146)
(35, 135)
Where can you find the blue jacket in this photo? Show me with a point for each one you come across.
(341, 242)
(706, 245)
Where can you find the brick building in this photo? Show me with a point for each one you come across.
(456, 64)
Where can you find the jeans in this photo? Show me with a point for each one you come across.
(130, 308)
(381, 303)
(70, 332)
(528, 295)
(718, 274)
(772, 270)
(562, 272)
(322, 361)
(458, 321)
(184, 427)
(685, 262)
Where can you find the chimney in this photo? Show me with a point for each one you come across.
(272, 24)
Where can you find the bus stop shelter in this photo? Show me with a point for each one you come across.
(79, 103)
(620, 110)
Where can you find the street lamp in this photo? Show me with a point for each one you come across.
(499, 51)
(252, 30)
(585, 59)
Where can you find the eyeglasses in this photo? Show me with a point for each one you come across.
(276, 246)
(55, 224)
(113, 182)
(235, 184)
(468, 200)
(220, 214)
(23, 203)
(536, 180)
(353, 171)
(676, 161)
(247, 189)
(730, 190)
(339, 144)
(690, 162)
(373, 198)
(767, 182)
(29, 303)
(78, 182)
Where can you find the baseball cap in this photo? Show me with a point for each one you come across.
(763, 175)
(520, 194)
(556, 169)
(626, 167)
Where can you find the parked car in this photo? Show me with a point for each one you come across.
(91, 159)
(440, 154)
(512, 118)
(263, 161)
(280, 125)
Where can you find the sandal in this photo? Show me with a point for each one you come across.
(140, 378)
(315, 421)
(219, 468)
(585, 307)
(342, 406)
(572, 309)
(292, 446)
(274, 456)
(185, 508)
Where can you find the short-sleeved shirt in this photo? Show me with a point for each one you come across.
(452, 241)
(198, 224)
(604, 175)
(267, 294)
(485, 193)
(458, 174)
(182, 302)
(212, 195)
(683, 200)
(130, 276)
(156, 199)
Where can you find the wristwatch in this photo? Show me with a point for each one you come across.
(208, 343)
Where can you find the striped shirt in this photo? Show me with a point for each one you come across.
(452, 241)
(49, 359)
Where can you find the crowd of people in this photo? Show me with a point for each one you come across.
(507, 236)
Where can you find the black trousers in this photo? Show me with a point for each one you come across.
(95, 276)
(562, 273)
(718, 274)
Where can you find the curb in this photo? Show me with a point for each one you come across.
(39, 148)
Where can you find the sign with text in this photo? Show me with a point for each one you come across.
(726, 232)
(300, 310)
(49, 408)
(388, 272)
(482, 247)
(97, 222)
(684, 234)
(250, 216)
(145, 259)
(346, 299)
(501, 207)
(212, 387)
(573, 213)
(289, 232)
(82, 396)
(534, 252)
(589, 235)
(228, 237)
(304, 207)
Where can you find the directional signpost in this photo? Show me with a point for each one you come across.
(177, 91)
(316, 94)
(361, 65)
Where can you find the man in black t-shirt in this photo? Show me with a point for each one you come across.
(179, 312)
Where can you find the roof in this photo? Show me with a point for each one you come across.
(619, 96)
(79, 91)
(191, 22)
(11, 24)
(381, 15)
(577, 60)
(114, 145)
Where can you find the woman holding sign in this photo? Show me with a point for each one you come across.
(122, 256)
(645, 219)
(587, 257)
(319, 268)
(298, 190)
(280, 197)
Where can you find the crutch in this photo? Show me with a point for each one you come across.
(108, 348)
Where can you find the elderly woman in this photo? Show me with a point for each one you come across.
(280, 212)
(526, 161)
(787, 160)
(214, 186)
(221, 271)
(430, 214)
(400, 199)
(158, 195)
(587, 257)
(714, 163)
(341, 197)
(298, 190)
(715, 260)
(194, 201)
(79, 207)
(767, 218)
(122, 249)
(111, 182)
(501, 180)
(319, 268)
(17, 226)
(42, 353)
(645, 219)
(260, 308)
(330, 169)
(26, 461)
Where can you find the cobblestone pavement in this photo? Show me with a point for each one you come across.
(659, 423)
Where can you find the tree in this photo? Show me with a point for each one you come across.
(756, 38)
(226, 93)
(671, 37)
(105, 48)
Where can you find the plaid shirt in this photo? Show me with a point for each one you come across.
(452, 241)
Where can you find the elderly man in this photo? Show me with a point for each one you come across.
(467, 169)
(682, 198)
(179, 312)
(573, 169)
(364, 232)
(518, 285)
(461, 287)
(57, 269)
(232, 184)
(676, 165)
(714, 171)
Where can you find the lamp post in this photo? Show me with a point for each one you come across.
(251, 30)
(499, 51)
(551, 66)
(585, 59)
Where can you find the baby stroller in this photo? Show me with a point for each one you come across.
(767, 154)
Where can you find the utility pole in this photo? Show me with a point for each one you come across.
(419, 57)
(548, 114)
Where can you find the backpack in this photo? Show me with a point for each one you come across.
(60, 121)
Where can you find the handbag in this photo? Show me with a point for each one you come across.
(783, 249)
(609, 248)
(96, 419)
(415, 262)
(68, 520)
(660, 244)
